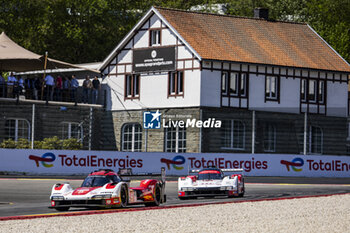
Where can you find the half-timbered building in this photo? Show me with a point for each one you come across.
(277, 87)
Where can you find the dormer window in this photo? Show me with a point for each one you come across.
(154, 37)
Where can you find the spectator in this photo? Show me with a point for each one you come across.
(66, 88)
(49, 84)
(11, 82)
(95, 88)
(87, 85)
(29, 88)
(2, 86)
(58, 89)
(37, 88)
(20, 86)
(74, 88)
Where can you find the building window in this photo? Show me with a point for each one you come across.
(303, 89)
(271, 88)
(72, 130)
(312, 91)
(154, 37)
(235, 84)
(176, 83)
(131, 137)
(320, 92)
(315, 140)
(233, 134)
(269, 138)
(132, 86)
(243, 84)
(224, 83)
(175, 139)
(17, 128)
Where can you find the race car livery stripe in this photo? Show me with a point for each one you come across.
(154, 208)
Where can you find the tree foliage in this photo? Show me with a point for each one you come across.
(87, 30)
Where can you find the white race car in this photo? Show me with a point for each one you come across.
(210, 182)
(105, 188)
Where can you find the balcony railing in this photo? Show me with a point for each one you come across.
(49, 93)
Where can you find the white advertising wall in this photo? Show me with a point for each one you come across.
(83, 162)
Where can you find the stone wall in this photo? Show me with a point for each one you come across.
(155, 137)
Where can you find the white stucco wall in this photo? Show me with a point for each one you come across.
(337, 99)
(210, 88)
(289, 95)
(154, 92)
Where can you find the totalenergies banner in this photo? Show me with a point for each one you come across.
(82, 162)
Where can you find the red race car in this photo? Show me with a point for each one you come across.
(105, 188)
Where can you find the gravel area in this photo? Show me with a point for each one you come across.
(321, 214)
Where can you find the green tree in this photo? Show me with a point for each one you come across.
(87, 30)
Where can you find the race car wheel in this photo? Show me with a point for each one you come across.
(243, 191)
(123, 197)
(62, 208)
(157, 197)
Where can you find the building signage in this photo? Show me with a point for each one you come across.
(83, 162)
(154, 59)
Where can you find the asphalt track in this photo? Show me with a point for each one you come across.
(23, 196)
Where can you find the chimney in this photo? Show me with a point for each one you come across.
(261, 13)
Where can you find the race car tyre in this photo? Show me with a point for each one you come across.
(123, 197)
(242, 193)
(62, 208)
(157, 197)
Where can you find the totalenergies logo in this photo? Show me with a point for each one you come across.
(44, 159)
(177, 160)
(297, 162)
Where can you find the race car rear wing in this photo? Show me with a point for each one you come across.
(127, 172)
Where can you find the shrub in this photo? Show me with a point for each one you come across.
(23, 143)
(38, 144)
(9, 143)
(53, 143)
(72, 144)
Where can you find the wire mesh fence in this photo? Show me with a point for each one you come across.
(38, 124)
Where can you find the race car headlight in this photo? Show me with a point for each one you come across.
(105, 196)
(57, 198)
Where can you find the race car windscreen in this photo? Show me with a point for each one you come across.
(209, 175)
(98, 181)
